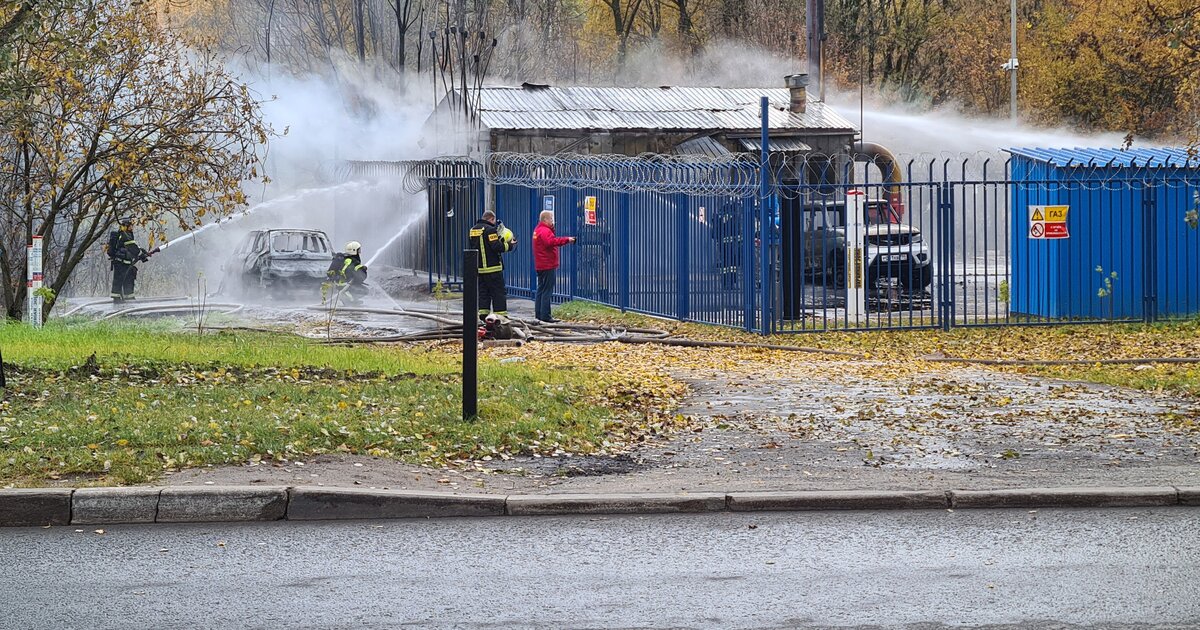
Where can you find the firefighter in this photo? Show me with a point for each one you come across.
(123, 254)
(492, 240)
(348, 273)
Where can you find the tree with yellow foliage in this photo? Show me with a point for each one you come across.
(114, 117)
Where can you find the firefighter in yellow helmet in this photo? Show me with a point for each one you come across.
(492, 239)
(348, 273)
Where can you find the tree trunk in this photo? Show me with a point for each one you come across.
(360, 36)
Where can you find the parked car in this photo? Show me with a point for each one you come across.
(276, 263)
(897, 255)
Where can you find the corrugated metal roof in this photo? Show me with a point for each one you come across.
(776, 145)
(1117, 158)
(668, 108)
(704, 145)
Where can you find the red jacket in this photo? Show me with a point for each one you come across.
(545, 247)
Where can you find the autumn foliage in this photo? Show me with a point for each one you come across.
(108, 115)
(1119, 65)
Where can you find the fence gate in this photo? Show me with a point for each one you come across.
(455, 204)
(829, 271)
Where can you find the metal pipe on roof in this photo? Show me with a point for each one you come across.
(887, 163)
(797, 85)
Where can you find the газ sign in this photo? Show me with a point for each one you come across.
(1048, 222)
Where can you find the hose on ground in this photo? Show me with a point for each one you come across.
(226, 309)
(80, 307)
(1055, 362)
(696, 343)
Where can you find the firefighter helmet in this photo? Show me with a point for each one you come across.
(506, 234)
(353, 248)
(126, 221)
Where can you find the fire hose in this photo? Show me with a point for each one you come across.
(225, 309)
(451, 329)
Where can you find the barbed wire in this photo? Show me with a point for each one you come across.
(735, 175)
(791, 175)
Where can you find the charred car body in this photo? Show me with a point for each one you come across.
(276, 263)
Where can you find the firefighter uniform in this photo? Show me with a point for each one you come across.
(492, 241)
(124, 254)
(348, 272)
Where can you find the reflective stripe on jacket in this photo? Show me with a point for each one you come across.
(484, 237)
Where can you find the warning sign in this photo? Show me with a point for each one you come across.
(1056, 230)
(589, 210)
(1048, 222)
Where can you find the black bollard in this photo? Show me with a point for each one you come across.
(470, 379)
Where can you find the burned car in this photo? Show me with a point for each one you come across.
(276, 263)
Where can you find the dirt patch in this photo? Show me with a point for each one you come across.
(838, 425)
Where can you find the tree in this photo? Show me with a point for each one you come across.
(624, 18)
(23, 13)
(118, 118)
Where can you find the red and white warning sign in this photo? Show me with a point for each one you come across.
(589, 210)
(1048, 222)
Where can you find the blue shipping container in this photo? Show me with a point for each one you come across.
(1130, 253)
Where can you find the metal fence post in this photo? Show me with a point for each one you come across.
(945, 255)
(577, 225)
(767, 227)
(623, 247)
(682, 268)
(470, 358)
(747, 266)
(431, 213)
(1150, 246)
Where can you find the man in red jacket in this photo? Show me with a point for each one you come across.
(545, 262)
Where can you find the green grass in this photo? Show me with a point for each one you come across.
(60, 345)
(156, 400)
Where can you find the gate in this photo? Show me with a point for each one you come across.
(455, 204)
(856, 257)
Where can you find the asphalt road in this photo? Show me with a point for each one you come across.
(992, 569)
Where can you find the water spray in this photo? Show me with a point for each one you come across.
(292, 198)
(404, 228)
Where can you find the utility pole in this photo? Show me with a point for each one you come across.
(1012, 65)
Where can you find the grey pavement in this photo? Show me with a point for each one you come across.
(1112, 568)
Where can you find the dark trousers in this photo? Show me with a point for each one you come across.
(493, 297)
(545, 289)
(124, 275)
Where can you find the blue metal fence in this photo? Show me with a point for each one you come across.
(673, 255)
(950, 247)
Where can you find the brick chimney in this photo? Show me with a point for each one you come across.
(797, 84)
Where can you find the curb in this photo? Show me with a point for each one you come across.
(1065, 497)
(67, 506)
(562, 504)
(310, 504)
(838, 500)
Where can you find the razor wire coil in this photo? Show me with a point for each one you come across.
(739, 175)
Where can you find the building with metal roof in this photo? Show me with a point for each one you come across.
(710, 121)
